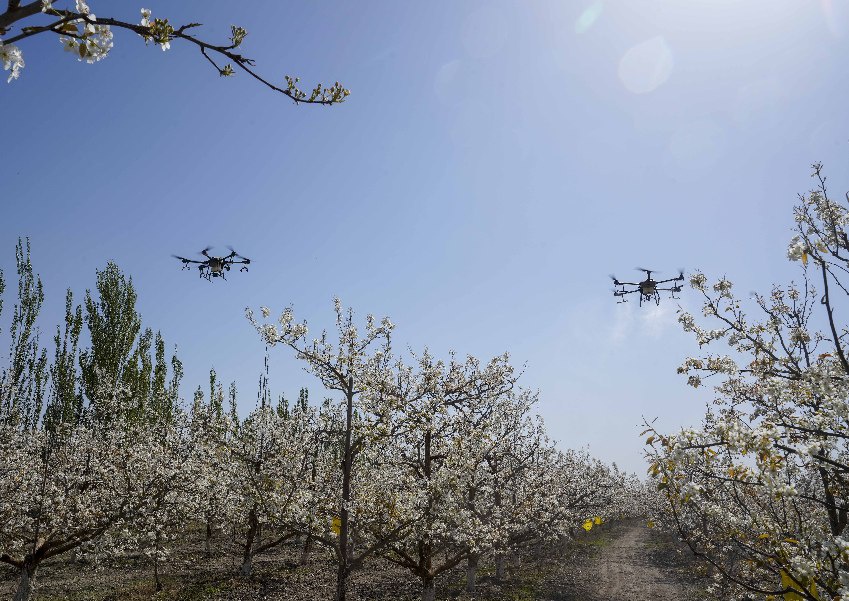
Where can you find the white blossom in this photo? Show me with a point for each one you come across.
(12, 59)
(796, 249)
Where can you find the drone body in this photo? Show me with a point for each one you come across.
(648, 289)
(215, 267)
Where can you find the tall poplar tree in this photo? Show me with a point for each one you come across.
(120, 378)
(65, 403)
(23, 382)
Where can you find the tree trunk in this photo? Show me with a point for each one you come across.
(471, 572)
(248, 555)
(428, 589)
(157, 583)
(340, 581)
(247, 566)
(208, 544)
(563, 544)
(347, 467)
(26, 584)
(352, 544)
(499, 567)
(305, 553)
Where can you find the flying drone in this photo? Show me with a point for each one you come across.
(214, 267)
(648, 289)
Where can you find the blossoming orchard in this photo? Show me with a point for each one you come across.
(427, 463)
(399, 471)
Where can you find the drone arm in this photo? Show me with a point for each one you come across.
(185, 260)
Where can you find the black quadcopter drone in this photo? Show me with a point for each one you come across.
(214, 267)
(648, 289)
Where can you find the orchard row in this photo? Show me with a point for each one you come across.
(426, 463)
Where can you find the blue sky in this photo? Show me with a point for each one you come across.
(495, 161)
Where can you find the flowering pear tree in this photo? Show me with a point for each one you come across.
(589, 488)
(761, 489)
(437, 431)
(165, 500)
(349, 366)
(323, 479)
(90, 38)
(97, 490)
(511, 481)
(209, 432)
(71, 481)
(266, 469)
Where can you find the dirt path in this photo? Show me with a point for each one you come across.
(636, 564)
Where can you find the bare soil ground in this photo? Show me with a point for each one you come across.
(638, 564)
(616, 562)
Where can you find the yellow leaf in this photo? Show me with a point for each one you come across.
(787, 582)
(336, 526)
(588, 525)
(763, 536)
(597, 521)
(805, 258)
(650, 524)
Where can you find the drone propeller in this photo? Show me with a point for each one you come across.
(205, 251)
(185, 260)
(244, 259)
(646, 270)
(233, 253)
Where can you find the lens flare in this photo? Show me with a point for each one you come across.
(831, 20)
(589, 17)
(646, 66)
